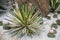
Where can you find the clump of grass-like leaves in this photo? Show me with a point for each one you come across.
(54, 5)
(25, 21)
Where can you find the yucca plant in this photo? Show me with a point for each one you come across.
(59, 9)
(25, 21)
(54, 4)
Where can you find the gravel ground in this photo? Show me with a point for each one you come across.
(43, 36)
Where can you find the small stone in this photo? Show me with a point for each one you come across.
(55, 16)
(58, 21)
(6, 26)
(55, 31)
(51, 35)
(51, 31)
(1, 23)
(48, 17)
(53, 28)
(54, 25)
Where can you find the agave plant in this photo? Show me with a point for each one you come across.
(54, 4)
(25, 21)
